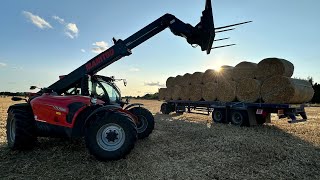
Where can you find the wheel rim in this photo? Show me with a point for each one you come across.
(142, 124)
(12, 132)
(110, 137)
(217, 116)
(237, 118)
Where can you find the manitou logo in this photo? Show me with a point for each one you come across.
(98, 60)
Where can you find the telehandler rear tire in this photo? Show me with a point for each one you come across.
(145, 125)
(111, 137)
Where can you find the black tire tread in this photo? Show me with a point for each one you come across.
(148, 115)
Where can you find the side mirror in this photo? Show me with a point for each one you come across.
(125, 82)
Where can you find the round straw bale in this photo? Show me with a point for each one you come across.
(209, 76)
(248, 90)
(274, 66)
(225, 73)
(226, 91)
(195, 92)
(186, 79)
(162, 93)
(185, 93)
(209, 91)
(244, 70)
(176, 93)
(169, 92)
(178, 80)
(281, 89)
(170, 82)
(196, 78)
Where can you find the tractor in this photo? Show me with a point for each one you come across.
(83, 104)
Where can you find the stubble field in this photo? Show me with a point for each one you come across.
(181, 147)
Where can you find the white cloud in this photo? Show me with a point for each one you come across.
(72, 30)
(154, 84)
(134, 69)
(100, 46)
(60, 20)
(82, 50)
(36, 20)
(3, 64)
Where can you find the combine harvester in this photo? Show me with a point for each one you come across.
(83, 104)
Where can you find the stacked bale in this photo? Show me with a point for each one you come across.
(195, 92)
(196, 78)
(281, 89)
(168, 95)
(225, 74)
(209, 75)
(248, 90)
(176, 92)
(209, 91)
(274, 66)
(162, 93)
(186, 79)
(170, 82)
(244, 70)
(226, 91)
(178, 80)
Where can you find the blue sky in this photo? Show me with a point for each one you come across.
(40, 40)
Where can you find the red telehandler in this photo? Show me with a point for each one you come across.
(83, 104)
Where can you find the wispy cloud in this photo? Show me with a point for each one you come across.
(3, 64)
(154, 84)
(36, 20)
(82, 50)
(71, 30)
(134, 69)
(100, 46)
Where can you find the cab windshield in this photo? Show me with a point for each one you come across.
(105, 90)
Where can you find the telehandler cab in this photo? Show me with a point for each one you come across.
(83, 104)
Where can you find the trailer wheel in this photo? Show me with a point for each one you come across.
(145, 125)
(219, 115)
(166, 108)
(20, 130)
(239, 118)
(260, 119)
(111, 137)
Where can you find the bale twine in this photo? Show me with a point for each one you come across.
(178, 80)
(170, 82)
(224, 74)
(176, 92)
(195, 92)
(209, 91)
(281, 89)
(162, 93)
(169, 92)
(274, 66)
(209, 75)
(226, 91)
(244, 70)
(186, 79)
(248, 90)
(196, 78)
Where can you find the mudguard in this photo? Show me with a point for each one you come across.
(132, 105)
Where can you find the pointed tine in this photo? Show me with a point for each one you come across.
(225, 30)
(233, 25)
(223, 46)
(221, 39)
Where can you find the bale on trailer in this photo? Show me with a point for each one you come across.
(225, 73)
(209, 75)
(274, 66)
(248, 90)
(281, 89)
(209, 91)
(176, 92)
(178, 80)
(244, 70)
(226, 91)
(196, 78)
(170, 82)
(195, 92)
(169, 92)
(186, 79)
(162, 93)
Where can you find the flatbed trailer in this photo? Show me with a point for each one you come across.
(237, 113)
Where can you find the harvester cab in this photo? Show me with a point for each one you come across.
(83, 104)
